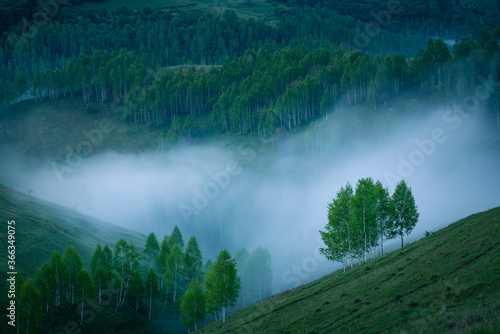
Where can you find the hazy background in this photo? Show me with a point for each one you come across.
(279, 196)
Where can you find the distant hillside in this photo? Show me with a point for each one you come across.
(43, 228)
(446, 282)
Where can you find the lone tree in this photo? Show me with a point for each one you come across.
(193, 305)
(405, 210)
(222, 283)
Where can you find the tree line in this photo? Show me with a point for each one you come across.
(360, 219)
(262, 90)
(167, 38)
(166, 271)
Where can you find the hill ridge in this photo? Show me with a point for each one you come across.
(444, 282)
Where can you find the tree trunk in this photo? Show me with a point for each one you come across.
(223, 314)
(150, 299)
(381, 244)
(165, 303)
(81, 318)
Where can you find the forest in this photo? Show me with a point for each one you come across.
(180, 72)
(166, 272)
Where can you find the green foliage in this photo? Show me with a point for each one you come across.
(126, 261)
(84, 288)
(152, 248)
(222, 283)
(73, 263)
(42, 279)
(360, 220)
(174, 268)
(259, 275)
(151, 287)
(241, 257)
(193, 305)
(58, 277)
(385, 213)
(444, 282)
(364, 216)
(193, 261)
(176, 238)
(339, 232)
(29, 307)
(405, 210)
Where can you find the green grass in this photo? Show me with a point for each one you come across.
(447, 282)
(43, 130)
(43, 228)
(257, 9)
(135, 4)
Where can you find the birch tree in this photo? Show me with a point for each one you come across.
(193, 305)
(405, 211)
(83, 287)
(338, 234)
(222, 283)
(364, 213)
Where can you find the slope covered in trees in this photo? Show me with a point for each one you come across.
(137, 279)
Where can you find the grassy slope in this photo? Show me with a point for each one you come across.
(243, 8)
(446, 282)
(43, 227)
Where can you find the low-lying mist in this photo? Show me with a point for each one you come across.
(275, 194)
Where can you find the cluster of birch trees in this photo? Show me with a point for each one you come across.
(161, 272)
(360, 219)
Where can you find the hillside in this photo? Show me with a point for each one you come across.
(446, 282)
(43, 228)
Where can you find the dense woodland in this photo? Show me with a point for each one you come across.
(168, 271)
(168, 67)
(269, 76)
(263, 91)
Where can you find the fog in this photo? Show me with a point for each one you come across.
(274, 195)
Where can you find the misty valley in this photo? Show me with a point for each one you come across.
(250, 166)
